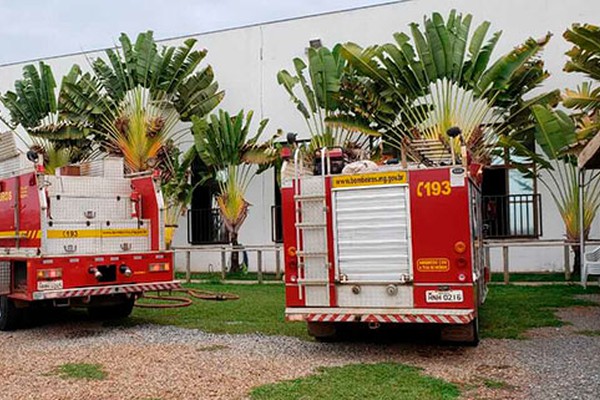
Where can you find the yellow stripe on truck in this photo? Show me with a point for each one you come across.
(94, 233)
(22, 234)
(369, 179)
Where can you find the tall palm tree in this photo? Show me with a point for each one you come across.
(34, 107)
(440, 76)
(562, 136)
(315, 87)
(224, 144)
(135, 98)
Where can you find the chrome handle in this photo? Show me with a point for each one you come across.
(70, 248)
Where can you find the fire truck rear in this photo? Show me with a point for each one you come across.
(91, 237)
(389, 246)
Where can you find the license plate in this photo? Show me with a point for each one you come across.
(446, 296)
(50, 285)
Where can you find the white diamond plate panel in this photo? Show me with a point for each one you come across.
(317, 296)
(372, 235)
(67, 237)
(312, 211)
(312, 185)
(126, 242)
(314, 242)
(70, 207)
(88, 186)
(375, 296)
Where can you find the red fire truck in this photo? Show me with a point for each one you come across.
(394, 245)
(93, 238)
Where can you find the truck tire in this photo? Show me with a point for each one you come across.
(322, 331)
(114, 311)
(10, 315)
(466, 335)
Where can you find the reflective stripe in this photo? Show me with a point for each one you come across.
(105, 290)
(392, 318)
(95, 233)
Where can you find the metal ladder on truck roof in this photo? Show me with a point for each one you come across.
(311, 231)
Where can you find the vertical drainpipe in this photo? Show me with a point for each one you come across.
(581, 181)
(261, 66)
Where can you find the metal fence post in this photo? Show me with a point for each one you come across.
(567, 263)
(505, 261)
(223, 263)
(277, 264)
(259, 265)
(188, 266)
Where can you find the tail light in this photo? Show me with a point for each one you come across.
(460, 247)
(47, 274)
(159, 267)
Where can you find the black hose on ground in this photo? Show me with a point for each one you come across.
(179, 301)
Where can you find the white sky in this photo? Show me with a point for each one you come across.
(32, 29)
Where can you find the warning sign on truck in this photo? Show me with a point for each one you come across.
(433, 265)
(370, 179)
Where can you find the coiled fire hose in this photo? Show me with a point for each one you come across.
(180, 301)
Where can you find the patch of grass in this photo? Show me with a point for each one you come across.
(259, 309)
(531, 277)
(507, 314)
(213, 277)
(385, 381)
(588, 333)
(85, 371)
(494, 384)
(510, 311)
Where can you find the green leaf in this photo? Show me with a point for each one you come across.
(555, 131)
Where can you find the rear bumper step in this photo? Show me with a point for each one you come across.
(410, 316)
(105, 290)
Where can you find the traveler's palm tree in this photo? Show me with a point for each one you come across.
(33, 106)
(136, 97)
(442, 77)
(224, 144)
(315, 87)
(562, 136)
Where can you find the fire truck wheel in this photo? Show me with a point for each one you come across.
(467, 335)
(10, 315)
(322, 331)
(114, 311)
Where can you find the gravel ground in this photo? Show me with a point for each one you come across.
(160, 362)
(565, 361)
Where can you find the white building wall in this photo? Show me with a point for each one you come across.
(246, 61)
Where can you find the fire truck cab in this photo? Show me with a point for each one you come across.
(387, 246)
(90, 237)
